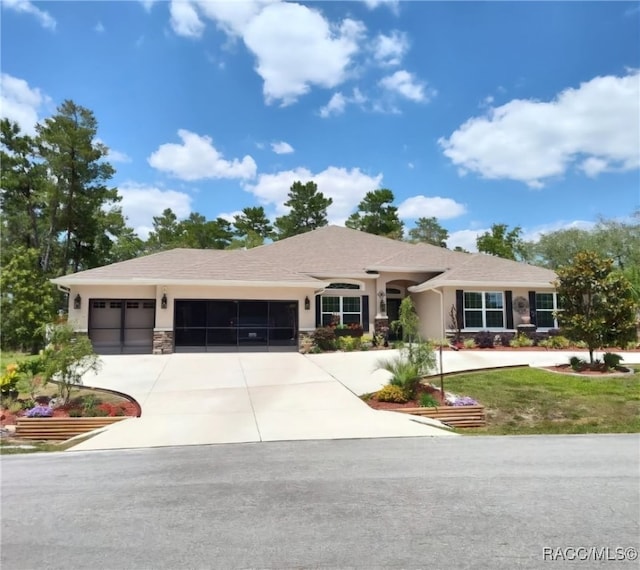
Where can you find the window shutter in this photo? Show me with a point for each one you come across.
(532, 307)
(508, 302)
(460, 308)
(318, 311)
(365, 313)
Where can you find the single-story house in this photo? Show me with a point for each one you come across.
(266, 298)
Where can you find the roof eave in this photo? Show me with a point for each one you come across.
(315, 284)
(427, 286)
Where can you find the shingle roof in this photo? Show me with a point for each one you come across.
(331, 251)
(190, 265)
(481, 268)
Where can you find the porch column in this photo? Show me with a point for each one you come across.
(381, 322)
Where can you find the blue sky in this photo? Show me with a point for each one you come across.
(473, 112)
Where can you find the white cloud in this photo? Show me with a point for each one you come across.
(21, 103)
(338, 103)
(465, 239)
(536, 232)
(185, 20)
(99, 27)
(118, 156)
(391, 4)
(281, 147)
(26, 7)
(406, 84)
(229, 216)
(148, 4)
(430, 206)
(593, 166)
(296, 47)
(335, 106)
(596, 124)
(112, 154)
(232, 17)
(345, 187)
(389, 50)
(196, 159)
(141, 202)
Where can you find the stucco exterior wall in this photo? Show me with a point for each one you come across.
(427, 306)
(79, 318)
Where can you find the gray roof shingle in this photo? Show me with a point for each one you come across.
(331, 251)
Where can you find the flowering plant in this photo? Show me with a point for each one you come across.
(40, 412)
(10, 377)
(465, 401)
(455, 400)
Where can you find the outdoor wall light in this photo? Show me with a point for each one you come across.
(163, 301)
(307, 304)
(77, 302)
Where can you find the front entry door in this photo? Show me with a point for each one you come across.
(393, 312)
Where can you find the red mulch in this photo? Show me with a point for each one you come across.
(123, 408)
(598, 372)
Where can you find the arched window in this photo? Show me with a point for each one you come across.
(340, 285)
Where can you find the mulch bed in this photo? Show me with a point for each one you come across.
(415, 403)
(594, 372)
(124, 408)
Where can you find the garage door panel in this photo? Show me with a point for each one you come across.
(122, 325)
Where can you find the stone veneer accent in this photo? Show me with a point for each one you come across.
(381, 322)
(162, 342)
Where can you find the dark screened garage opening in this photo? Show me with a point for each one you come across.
(218, 326)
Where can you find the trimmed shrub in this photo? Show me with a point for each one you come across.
(390, 393)
(557, 342)
(483, 339)
(469, 343)
(577, 363)
(324, 338)
(505, 339)
(611, 360)
(428, 401)
(521, 341)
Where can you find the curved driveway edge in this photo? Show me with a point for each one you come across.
(194, 399)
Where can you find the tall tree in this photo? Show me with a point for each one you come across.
(78, 197)
(252, 227)
(502, 243)
(377, 215)
(428, 230)
(165, 233)
(308, 210)
(558, 248)
(597, 302)
(196, 232)
(27, 301)
(23, 196)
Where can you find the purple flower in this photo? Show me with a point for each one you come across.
(465, 401)
(40, 412)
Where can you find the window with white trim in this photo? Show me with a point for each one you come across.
(347, 309)
(546, 304)
(483, 309)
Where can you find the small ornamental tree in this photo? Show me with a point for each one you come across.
(597, 302)
(415, 359)
(67, 358)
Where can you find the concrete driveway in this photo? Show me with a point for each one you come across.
(193, 399)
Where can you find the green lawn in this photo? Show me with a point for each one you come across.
(9, 356)
(533, 401)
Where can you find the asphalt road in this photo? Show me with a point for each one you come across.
(441, 503)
